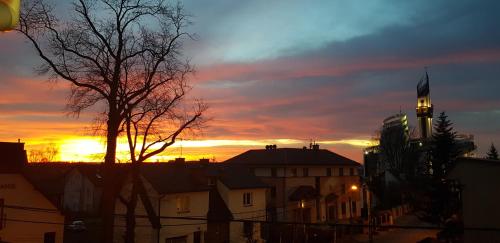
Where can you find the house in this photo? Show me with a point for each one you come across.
(29, 211)
(181, 192)
(82, 189)
(307, 184)
(475, 182)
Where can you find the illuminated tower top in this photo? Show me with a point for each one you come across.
(425, 108)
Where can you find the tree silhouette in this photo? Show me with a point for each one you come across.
(444, 150)
(116, 54)
(492, 153)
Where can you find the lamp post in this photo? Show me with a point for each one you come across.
(353, 189)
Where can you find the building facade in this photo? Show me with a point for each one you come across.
(307, 185)
(28, 214)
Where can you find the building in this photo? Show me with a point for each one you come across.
(308, 185)
(213, 193)
(425, 109)
(29, 212)
(475, 182)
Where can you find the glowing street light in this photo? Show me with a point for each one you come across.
(9, 14)
(354, 188)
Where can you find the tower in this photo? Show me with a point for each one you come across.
(425, 109)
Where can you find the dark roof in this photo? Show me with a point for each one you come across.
(217, 208)
(13, 157)
(235, 177)
(48, 179)
(291, 156)
(173, 178)
(303, 192)
(477, 161)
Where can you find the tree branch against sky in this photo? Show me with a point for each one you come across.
(116, 55)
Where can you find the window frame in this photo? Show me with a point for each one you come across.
(247, 199)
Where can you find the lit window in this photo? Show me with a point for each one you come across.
(182, 203)
(247, 199)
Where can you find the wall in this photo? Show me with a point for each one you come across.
(256, 211)
(480, 198)
(80, 194)
(285, 183)
(17, 191)
(198, 207)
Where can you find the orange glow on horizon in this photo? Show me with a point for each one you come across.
(92, 149)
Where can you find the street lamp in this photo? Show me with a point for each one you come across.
(354, 188)
(9, 14)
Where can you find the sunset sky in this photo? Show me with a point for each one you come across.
(287, 72)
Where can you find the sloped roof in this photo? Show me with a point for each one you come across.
(217, 208)
(291, 156)
(167, 178)
(176, 178)
(237, 177)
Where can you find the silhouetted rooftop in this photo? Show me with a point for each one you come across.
(290, 156)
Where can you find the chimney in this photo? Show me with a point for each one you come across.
(271, 147)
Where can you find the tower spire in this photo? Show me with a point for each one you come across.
(425, 108)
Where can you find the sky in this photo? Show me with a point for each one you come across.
(289, 72)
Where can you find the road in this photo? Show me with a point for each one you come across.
(401, 235)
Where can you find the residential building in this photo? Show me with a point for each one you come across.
(308, 185)
(29, 213)
(215, 194)
(475, 183)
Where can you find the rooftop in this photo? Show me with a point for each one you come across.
(290, 156)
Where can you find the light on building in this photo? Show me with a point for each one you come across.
(354, 188)
(302, 203)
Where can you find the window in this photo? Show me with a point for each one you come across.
(273, 172)
(328, 171)
(353, 208)
(341, 171)
(247, 199)
(182, 204)
(344, 209)
(273, 192)
(294, 172)
(351, 171)
(342, 189)
(305, 172)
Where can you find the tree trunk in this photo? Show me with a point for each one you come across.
(110, 186)
(130, 220)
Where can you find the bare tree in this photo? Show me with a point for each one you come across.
(47, 154)
(115, 54)
(151, 128)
